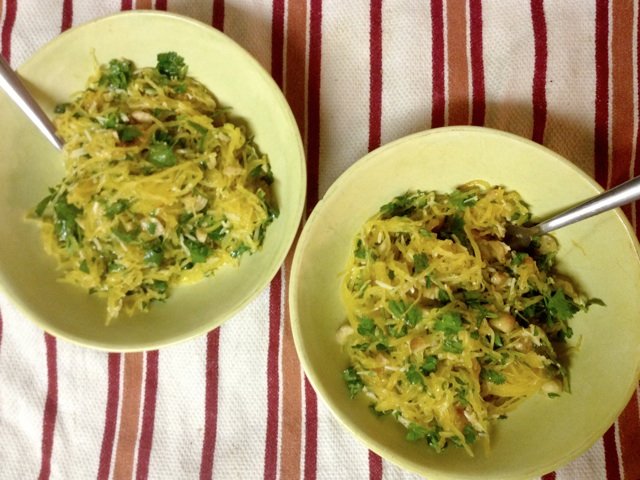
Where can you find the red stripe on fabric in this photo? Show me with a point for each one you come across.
(111, 415)
(375, 74)
(10, 11)
(311, 432)
(126, 5)
(313, 164)
(601, 127)
(273, 378)
(540, 70)
(217, 18)
(148, 415)
(457, 63)
(375, 132)
(622, 94)
(636, 165)
(549, 476)
(277, 42)
(67, 15)
(210, 405)
(313, 106)
(50, 406)
(611, 454)
(478, 101)
(438, 66)
(161, 5)
(629, 433)
(375, 466)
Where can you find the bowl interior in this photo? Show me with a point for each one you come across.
(30, 165)
(601, 254)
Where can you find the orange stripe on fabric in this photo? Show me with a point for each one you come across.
(129, 415)
(629, 433)
(457, 61)
(620, 162)
(291, 393)
(143, 4)
(294, 89)
(622, 70)
(295, 66)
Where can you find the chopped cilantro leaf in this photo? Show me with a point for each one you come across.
(126, 237)
(129, 133)
(84, 267)
(595, 301)
(429, 365)
(413, 316)
(400, 207)
(354, 382)
(545, 262)
(456, 225)
(116, 208)
(493, 376)
(240, 250)
(171, 65)
(61, 108)
(452, 345)
(65, 224)
(199, 252)
(560, 307)
(44, 203)
(416, 432)
(450, 323)
(217, 234)
(414, 376)
(360, 251)
(410, 314)
(518, 258)
(397, 308)
(443, 296)
(366, 327)
(420, 263)
(117, 74)
(153, 257)
(469, 434)
(161, 155)
(461, 200)
(159, 286)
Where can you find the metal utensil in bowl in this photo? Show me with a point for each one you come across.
(519, 237)
(11, 83)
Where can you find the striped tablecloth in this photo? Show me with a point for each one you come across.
(357, 74)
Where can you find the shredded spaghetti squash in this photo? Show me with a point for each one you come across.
(449, 329)
(160, 187)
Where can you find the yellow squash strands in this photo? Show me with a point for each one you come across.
(448, 328)
(160, 188)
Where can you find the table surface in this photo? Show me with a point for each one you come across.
(357, 75)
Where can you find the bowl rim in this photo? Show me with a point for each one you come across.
(374, 443)
(297, 211)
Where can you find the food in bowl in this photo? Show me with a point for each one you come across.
(449, 329)
(161, 188)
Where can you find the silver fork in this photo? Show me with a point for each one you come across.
(11, 83)
(518, 237)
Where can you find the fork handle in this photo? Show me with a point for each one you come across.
(11, 83)
(624, 193)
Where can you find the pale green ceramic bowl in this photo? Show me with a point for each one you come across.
(29, 165)
(601, 253)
